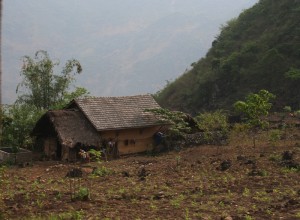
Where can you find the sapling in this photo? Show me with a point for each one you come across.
(255, 108)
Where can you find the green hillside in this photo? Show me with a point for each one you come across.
(258, 50)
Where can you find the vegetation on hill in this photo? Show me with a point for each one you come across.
(258, 50)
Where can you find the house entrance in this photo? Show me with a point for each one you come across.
(58, 150)
(50, 147)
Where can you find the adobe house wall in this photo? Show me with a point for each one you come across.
(132, 140)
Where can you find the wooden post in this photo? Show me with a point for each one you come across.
(1, 124)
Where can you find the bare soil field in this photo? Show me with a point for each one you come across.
(236, 181)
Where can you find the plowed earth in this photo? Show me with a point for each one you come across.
(203, 182)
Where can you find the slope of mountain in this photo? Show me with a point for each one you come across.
(258, 50)
(125, 47)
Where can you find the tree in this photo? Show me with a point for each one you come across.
(41, 87)
(254, 108)
(42, 90)
(18, 122)
(176, 119)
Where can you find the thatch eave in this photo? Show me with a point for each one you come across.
(70, 126)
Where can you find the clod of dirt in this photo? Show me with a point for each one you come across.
(255, 172)
(159, 195)
(169, 184)
(75, 172)
(247, 160)
(125, 174)
(287, 155)
(196, 189)
(291, 202)
(287, 160)
(240, 157)
(142, 173)
(290, 164)
(225, 165)
(250, 161)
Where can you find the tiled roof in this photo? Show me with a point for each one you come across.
(112, 113)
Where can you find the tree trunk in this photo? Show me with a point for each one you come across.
(1, 4)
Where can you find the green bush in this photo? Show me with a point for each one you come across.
(275, 136)
(18, 122)
(95, 154)
(82, 194)
(211, 122)
(102, 171)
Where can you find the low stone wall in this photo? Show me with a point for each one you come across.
(195, 139)
(21, 157)
(200, 138)
(189, 140)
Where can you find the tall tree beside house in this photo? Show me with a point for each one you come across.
(39, 91)
(44, 89)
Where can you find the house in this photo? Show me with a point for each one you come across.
(120, 125)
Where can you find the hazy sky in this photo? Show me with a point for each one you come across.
(126, 47)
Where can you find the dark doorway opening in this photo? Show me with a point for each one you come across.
(58, 150)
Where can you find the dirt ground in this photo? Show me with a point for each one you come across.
(203, 182)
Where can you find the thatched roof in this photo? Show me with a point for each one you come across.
(71, 127)
(113, 113)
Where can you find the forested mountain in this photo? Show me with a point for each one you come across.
(258, 50)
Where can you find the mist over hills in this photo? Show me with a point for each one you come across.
(125, 47)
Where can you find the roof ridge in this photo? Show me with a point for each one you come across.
(108, 97)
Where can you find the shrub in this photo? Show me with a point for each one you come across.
(275, 136)
(102, 171)
(95, 154)
(254, 108)
(82, 194)
(211, 122)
